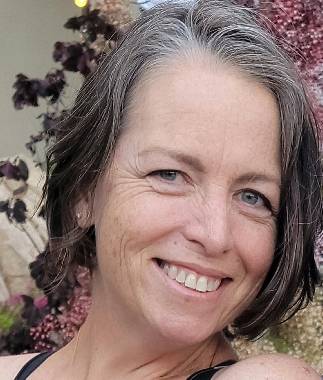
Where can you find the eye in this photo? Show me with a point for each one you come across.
(257, 203)
(252, 198)
(169, 181)
(167, 175)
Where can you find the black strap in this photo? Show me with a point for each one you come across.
(31, 365)
(207, 373)
(36, 361)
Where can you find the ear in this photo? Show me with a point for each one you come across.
(83, 213)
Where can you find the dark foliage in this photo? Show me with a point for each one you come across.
(15, 208)
(63, 289)
(17, 171)
(31, 144)
(9, 170)
(17, 211)
(30, 313)
(26, 92)
(23, 170)
(74, 56)
(91, 25)
(18, 340)
(29, 90)
(4, 205)
(49, 123)
(53, 85)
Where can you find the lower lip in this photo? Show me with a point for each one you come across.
(187, 292)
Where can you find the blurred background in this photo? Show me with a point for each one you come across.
(28, 31)
(47, 49)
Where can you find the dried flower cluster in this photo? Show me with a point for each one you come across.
(115, 12)
(59, 326)
(301, 336)
(301, 24)
(298, 24)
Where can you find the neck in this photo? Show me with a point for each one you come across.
(112, 345)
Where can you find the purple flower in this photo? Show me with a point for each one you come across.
(14, 171)
(9, 170)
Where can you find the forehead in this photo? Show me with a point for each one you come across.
(205, 107)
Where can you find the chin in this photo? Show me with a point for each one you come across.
(180, 331)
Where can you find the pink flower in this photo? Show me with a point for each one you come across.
(40, 302)
(14, 300)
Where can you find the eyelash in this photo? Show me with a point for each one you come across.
(257, 194)
(159, 172)
(266, 201)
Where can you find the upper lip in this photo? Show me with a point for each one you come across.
(199, 269)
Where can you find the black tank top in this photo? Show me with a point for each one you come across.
(36, 361)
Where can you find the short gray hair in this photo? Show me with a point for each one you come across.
(86, 140)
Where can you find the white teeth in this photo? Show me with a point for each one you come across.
(172, 273)
(210, 285)
(190, 281)
(213, 285)
(201, 284)
(166, 268)
(181, 276)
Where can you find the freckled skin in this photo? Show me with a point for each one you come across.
(230, 123)
(269, 367)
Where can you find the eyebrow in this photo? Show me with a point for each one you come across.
(186, 159)
(258, 177)
(196, 164)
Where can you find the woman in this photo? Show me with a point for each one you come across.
(187, 178)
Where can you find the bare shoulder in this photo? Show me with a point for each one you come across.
(269, 367)
(11, 365)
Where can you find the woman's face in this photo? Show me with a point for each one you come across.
(185, 219)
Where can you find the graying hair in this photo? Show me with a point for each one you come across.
(233, 35)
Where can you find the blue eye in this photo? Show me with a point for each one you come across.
(252, 198)
(167, 175)
(169, 181)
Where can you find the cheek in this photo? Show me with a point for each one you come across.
(129, 225)
(257, 247)
(151, 218)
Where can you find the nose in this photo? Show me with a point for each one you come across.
(210, 225)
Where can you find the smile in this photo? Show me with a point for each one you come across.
(190, 279)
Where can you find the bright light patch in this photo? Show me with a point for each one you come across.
(81, 3)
